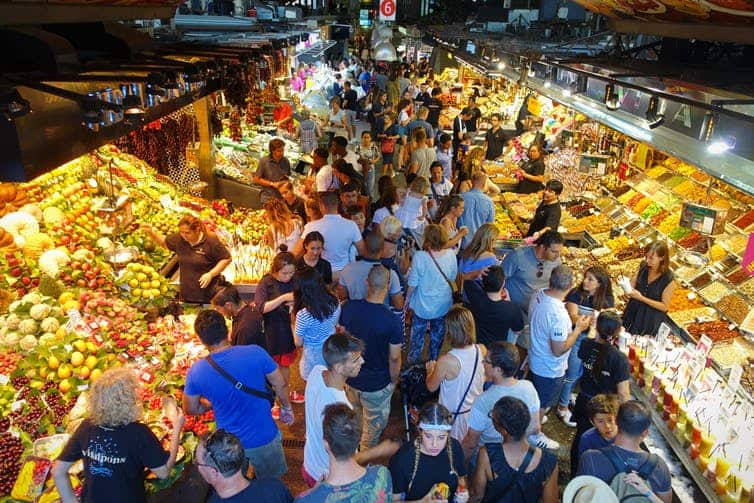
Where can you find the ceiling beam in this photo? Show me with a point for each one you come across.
(741, 34)
(46, 13)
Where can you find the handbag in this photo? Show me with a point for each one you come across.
(457, 292)
(463, 398)
(268, 395)
(388, 145)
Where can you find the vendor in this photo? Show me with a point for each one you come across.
(201, 258)
(652, 288)
(495, 140)
(274, 169)
(532, 173)
(547, 216)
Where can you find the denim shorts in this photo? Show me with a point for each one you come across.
(548, 389)
(268, 460)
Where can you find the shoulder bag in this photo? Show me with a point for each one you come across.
(463, 398)
(268, 395)
(454, 288)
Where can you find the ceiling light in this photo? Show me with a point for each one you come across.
(13, 106)
(654, 116)
(612, 101)
(501, 66)
(719, 146)
(133, 111)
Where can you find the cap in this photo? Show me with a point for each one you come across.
(586, 489)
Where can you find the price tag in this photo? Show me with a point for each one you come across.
(82, 387)
(16, 406)
(662, 334)
(166, 201)
(734, 379)
(68, 347)
(704, 345)
(4, 379)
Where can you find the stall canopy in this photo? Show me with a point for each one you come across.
(66, 89)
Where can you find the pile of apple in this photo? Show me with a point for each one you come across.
(145, 287)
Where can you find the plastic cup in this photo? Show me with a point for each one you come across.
(703, 462)
(705, 446)
(696, 434)
(672, 421)
(694, 451)
(722, 467)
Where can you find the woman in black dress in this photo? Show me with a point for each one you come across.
(514, 471)
(652, 288)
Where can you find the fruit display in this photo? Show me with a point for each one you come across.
(145, 287)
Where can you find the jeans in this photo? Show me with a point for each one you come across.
(548, 389)
(373, 410)
(268, 460)
(574, 371)
(419, 331)
(370, 182)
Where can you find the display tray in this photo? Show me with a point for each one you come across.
(240, 194)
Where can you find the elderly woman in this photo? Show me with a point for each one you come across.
(114, 445)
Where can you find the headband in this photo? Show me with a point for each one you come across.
(426, 426)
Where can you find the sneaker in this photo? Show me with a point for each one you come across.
(275, 412)
(572, 401)
(544, 420)
(543, 442)
(566, 416)
(296, 397)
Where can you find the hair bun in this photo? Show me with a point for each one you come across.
(283, 248)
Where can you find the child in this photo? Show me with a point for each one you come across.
(602, 410)
(356, 214)
(412, 210)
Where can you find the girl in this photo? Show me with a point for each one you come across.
(347, 174)
(606, 370)
(513, 471)
(412, 210)
(433, 458)
(448, 214)
(595, 293)
(285, 228)
(459, 373)
(393, 257)
(274, 297)
(317, 313)
(478, 255)
(390, 139)
(314, 244)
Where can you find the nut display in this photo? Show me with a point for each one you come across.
(738, 276)
(734, 307)
(714, 291)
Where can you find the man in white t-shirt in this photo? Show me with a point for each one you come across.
(326, 385)
(500, 367)
(339, 234)
(552, 336)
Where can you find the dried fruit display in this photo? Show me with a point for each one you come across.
(714, 291)
(738, 276)
(684, 299)
(715, 330)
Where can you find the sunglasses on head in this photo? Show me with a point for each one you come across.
(540, 269)
(212, 441)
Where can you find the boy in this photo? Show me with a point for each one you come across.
(602, 410)
(356, 214)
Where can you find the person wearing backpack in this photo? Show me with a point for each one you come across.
(625, 465)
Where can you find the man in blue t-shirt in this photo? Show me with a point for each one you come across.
(242, 413)
(382, 332)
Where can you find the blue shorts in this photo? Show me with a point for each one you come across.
(548, 389)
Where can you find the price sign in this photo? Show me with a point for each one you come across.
(703, 219)
(704, 345)
(662, 334)
(387, 10)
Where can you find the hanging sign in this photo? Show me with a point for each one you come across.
(387, 10)
(703, 219)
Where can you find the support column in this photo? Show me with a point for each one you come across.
(206, 159)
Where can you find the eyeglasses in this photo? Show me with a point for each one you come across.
(540, 269)
(208, 445)
(487, 361)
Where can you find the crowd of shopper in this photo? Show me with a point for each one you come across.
(375, 283)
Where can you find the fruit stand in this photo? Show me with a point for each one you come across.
(84, 290)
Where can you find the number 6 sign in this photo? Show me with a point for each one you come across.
(387, 10)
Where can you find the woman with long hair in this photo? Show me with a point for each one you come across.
(115, 445)
(450, 210)
(433, 460)
(459, 373)
(594, 294)
(201, 258)
(337, 121)
(606, 371)
(317, 312)
(512, 471)
(478, 255)
(274, 298)
(347, 174)
(284, 227)
(652, 289)
(314, 245)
